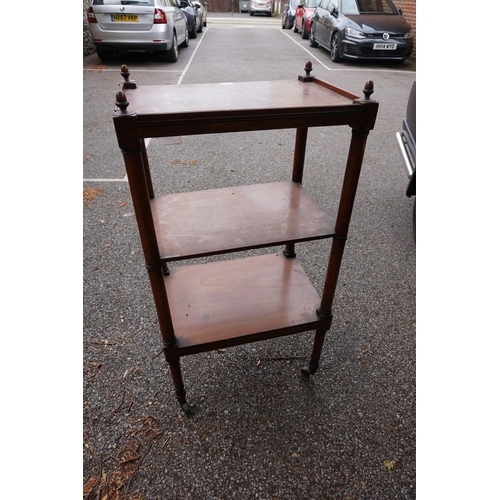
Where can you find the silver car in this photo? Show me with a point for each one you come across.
(137, 25)
(261, 7)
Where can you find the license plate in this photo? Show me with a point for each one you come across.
(384, 46)
(125, 18)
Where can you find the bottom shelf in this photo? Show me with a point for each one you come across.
(232, 302)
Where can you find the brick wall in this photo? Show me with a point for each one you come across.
(409, 9)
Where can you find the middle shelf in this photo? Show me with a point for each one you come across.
(216, 221)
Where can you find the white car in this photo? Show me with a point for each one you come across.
(137, 25)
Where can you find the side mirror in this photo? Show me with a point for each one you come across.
(400, 11)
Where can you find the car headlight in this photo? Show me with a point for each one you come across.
(409, 34)
(354, 33)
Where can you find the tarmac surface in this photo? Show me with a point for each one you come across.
(259, 430)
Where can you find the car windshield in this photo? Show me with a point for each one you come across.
(311, 4)
(354, 7)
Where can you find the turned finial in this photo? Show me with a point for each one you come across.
(368, 90)
(307, 68)
(126, 82)
(121, 101)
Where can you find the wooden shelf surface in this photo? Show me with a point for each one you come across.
(223, 220)
(226, 303)
(168, 110)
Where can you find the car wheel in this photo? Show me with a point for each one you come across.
(304, 30)
(295, 29)
(251, 13)
(268, 14)
(185, 43)
(312, 41)
(200, 29)
(414, 219)
(172, 54)
(104, 55)
(192, 33)
(335, 49)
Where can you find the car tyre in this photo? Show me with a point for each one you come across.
(104, 55)
(335, 48)
(295, 29)
(200, 29)
(185, 43)
(251, 13)
(304, 31)
(312, 41)
(414, 219)
(172, 54)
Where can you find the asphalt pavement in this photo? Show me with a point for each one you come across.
(259, 431)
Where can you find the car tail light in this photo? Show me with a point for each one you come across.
(91, 16)
(160, 17)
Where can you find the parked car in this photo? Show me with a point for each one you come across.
(261, 7)
(244, 5)
(193, 15)
(203, 9)
(144, 25)
(303, 15)
(288, 15)
(407, 143)
(361, 29)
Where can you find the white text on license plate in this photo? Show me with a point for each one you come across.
(384, 46)
(125, 18)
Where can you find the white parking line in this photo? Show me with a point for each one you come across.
(192, 56)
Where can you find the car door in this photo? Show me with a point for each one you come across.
(179, 20)
(324, 21)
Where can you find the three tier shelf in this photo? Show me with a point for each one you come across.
(228, 302)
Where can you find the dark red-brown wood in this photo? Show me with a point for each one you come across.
(238, 300)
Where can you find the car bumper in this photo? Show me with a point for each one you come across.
(260, 10)
(409, 161)
(151, 40)
(363, 49)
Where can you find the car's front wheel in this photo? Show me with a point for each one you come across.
(335, 49)
(312, 41)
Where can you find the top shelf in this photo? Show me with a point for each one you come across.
(168, 110)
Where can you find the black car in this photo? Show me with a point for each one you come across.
(361, 29)
(288, 16)
(407, 142)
